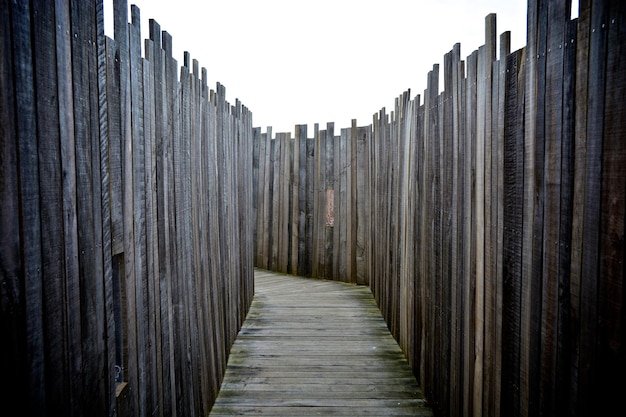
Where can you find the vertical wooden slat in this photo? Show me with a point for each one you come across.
(316, 208)
(452, 89)
(406, 277)
(14, 360)
(23, 273)
(51, 210)
(260, 195)
(469, 231)
(301, 156)
(310, 202)
(512, 243)
(334, 184)
(351, 195)
(329, 188)
(284, 215)
(155, 367)
(276, 203)
(533, 208)
(498, 103)
(612, 352)
(137, 217)
(295, 202)
(553, 202)
(187, 330)
(339, 237)
(265, 249)
(363, 210)
(84, 70)
(102, 155)
(590, 256)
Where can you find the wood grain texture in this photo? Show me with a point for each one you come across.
(310, 346)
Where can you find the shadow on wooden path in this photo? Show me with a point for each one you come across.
(312, 347)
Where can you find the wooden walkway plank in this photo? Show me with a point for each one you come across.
(316, 347)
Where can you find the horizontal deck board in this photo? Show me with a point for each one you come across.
(316, 347)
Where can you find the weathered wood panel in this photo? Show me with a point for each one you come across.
(310, 346)
(107, 269)
(488, 221)
(512, 210)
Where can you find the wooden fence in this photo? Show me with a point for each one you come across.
(127, 255)
(488, 218)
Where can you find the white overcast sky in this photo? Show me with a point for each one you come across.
(316, 61)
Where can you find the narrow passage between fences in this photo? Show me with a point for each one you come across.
(316, 347)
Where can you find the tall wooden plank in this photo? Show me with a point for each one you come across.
(452, 84)
(276, 204)
(450, 188)
(256, 182)
(294, 202)
(383, 216)
(175, 199)
(479, 208)
(125, 298)
(14, 359)
(310, 202)
(107, 326)
(415, 136)
(533, 208)
(103, 266)
(553, 202)
(63, 40)
(490, 220)
(611, 286)
(591, 228)
(351, 195)
(429, 115)
(316, 208)
(216, 281)
(439, 287)
(513, 171)
(469, 232)
(362, 209)
(88, 209)
(341, 205)
(338, 222)
(580, 127)
(162, 141)
(261, 175)
(564, 337)
(155, 368)
(187, 333)
(265, 249)
(284, 215)
(299, 201)
(137, 217)
(208, 385)
(114, 67)
(394, 184)
(499, 95)
(406, 233)
(301, 155)
(428, 260)
(51, 210)
(208, 277)
(374, 279)
(193, 152)
(329, 184)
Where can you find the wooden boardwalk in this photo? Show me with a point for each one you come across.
(313, 347)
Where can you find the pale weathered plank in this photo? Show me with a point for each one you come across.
(316, 347)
